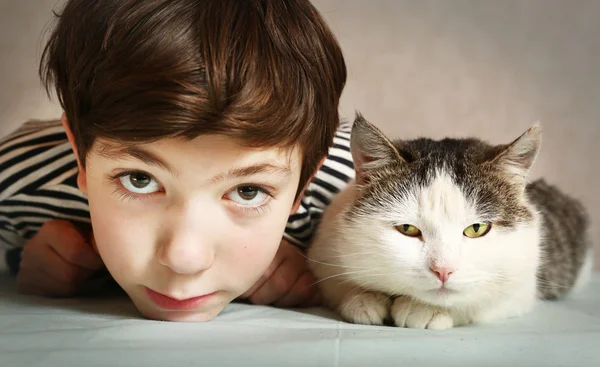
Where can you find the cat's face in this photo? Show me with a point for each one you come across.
(444, 221)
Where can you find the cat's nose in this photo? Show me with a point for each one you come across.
(442, 272)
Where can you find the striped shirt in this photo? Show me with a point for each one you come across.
(38, 182)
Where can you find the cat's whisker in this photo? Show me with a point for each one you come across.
(338, 275)
(358, 279)
(331, 264)
(351, 254)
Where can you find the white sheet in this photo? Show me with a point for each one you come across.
(109, 332)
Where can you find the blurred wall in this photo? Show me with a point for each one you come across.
(432, 68)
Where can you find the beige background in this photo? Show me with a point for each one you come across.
(416, 67)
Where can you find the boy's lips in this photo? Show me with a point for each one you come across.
(168, 303)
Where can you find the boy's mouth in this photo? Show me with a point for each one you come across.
(168, 303)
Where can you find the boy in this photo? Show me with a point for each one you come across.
(194, 128)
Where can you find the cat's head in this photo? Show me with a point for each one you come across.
(445, 221)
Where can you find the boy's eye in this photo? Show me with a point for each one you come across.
(139, 183)
(248, 195)
(248, 192)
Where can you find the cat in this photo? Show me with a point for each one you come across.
(437, 234)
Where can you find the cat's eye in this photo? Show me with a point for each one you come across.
(409, 230)
(477, 230)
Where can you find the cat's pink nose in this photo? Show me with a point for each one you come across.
(442, 272)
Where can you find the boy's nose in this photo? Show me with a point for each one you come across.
(186, 253)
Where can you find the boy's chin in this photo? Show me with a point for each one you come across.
(204, 314)
(181, 316)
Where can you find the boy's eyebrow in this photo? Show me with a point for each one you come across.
(147, 157)
(253, 169)
(151, 159)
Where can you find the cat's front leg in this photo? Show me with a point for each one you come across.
(355, 304)
(410, 313)
(365, 307)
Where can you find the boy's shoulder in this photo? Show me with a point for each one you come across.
(331, 178)
(38, 181)
(31, 134)
(38, 153)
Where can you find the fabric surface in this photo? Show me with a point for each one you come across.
(109, 332)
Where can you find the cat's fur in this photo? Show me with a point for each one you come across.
(368, 271)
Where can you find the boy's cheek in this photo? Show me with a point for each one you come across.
(121, 240)
(254, 249)
(253, 258)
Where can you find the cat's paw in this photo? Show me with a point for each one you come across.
(369, 308)
(415, 315)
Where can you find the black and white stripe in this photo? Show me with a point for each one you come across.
(335, 173)
(38, 174)
(37, 182)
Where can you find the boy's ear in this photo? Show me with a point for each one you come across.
(298, 201)
(81, 178)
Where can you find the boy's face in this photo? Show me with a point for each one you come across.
(176, 220)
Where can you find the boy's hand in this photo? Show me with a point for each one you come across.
(56, 261)
(287, 282)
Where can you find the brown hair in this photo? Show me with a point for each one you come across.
(268, 73)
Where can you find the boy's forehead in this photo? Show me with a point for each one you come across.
(169, 152)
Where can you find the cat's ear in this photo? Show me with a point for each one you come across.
(370, 149)
(518, 157)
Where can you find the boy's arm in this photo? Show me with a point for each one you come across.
(32, 155)
(288, 282)
(37, 188)
(14, 150)
(57, 261)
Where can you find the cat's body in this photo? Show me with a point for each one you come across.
(406, 239)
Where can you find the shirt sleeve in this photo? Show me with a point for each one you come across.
(333, 176)
(38, 173)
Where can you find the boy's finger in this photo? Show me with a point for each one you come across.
(264, 278)
(315, 300)
(278, 285)
(40, 284)
(300, 292)
(29, 287)
(259, 283)
(265, 295)
(70, 245)
(65, 271)
(94, 245)
(43, 261)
